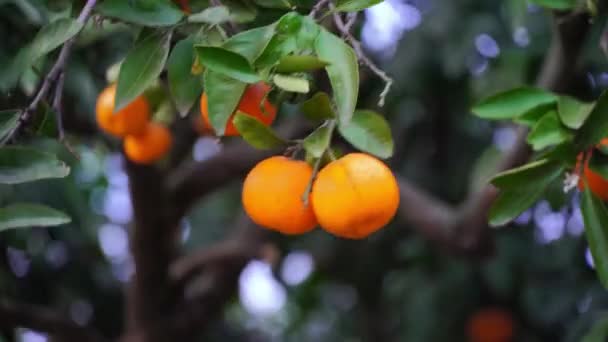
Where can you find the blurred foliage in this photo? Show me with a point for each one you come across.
(393, 286)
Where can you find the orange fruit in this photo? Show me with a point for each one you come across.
(272, 195)
(355, 196)
(149, 146)
(490, 325)
(597, 184)
(131, 119)
(249, 104)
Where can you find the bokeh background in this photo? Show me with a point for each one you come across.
(444, 55)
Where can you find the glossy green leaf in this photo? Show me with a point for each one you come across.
(556, 4)
(241, 11)
(572, 112)
(343, 73)
(52, 36)
(368, 131)
(598, 332)
(161, 13)
(291, 83)
(531, 117)
(300, 63)
(256, 133)
(565, 153)
(548, 131)
(184, 86)
(512, 103)
(355, 5)
(141, 67)
(520, 188)
(212, 16)
(22, 164)
(293, 32)
(25, 215)
(595, 217)
(484, 168)
(318, 141)
(223, 96)
(599, 163)
(251, 43)
(318, 107)
(596, 126)
(228, 63)
(279, 4)
(525, 175)
(8, 122)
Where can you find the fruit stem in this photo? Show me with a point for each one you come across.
(315, 170)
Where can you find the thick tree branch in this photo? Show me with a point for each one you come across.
(44, 320)
(190, 182)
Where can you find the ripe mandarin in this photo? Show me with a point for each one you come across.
(272, 195)
(131, 119)
(597, 184)
(490, 325)
(249, 104)
(355, 196)
(149, 146)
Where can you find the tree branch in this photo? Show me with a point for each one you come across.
(53, 75)
(44, 320)
(464, 229)
(190, 182)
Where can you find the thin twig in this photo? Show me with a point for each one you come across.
(351, 19)
(57, 105)
(345, 30)
(53, 74)
(317, 8)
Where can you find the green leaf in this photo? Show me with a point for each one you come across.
(484, 168)
(318, 141)
(255, 132)
(556, 4)
(512, 103)
(185, 87)
(223, 96)
(293, 32)
(8, 122)
(368, 131)
(564, 153)
(355, 5)
(163, 13)
(52, 36)
(525, 175)
(241, 11)
(251, 43)
(531, 117)
(24, 215)
(343, 72)
(299, 63)
(212, 16)
(548, 131)
(227, 62)
(318, 107)
(572, 112)
(141, 67)
(596, 126)
(291, 83)
(279, 4)
(520, 188)
(22, 164)
(598, 332)
(47, 39)
(599, 164)
(595, 217)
